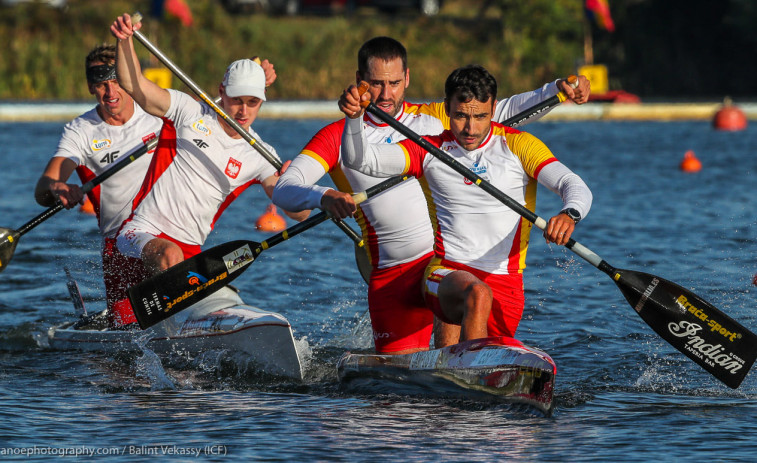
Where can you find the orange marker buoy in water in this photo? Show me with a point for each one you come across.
(87, 207)
(270, 221)
(729, 117)
(690, 162)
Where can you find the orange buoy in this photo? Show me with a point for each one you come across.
(690, 162)
(270, 221)
(729, 117)
(87, 207)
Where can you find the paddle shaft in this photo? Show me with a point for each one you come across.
(90, 185)
(188, 282)
(273, 160)
(539, 108)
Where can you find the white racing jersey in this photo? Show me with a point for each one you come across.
(395, 224)
(197, 171)
(471, 226)
(94, 145)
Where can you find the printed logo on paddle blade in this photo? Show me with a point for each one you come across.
(711, 354)
(233, 168)
(238, 258)
(98, 145)
(195, 278)
(201, 286)
(699, 339)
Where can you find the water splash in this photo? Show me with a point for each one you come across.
(149, 366)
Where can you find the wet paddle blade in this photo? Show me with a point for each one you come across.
(692, 325)
(8, 241)
(180, 286)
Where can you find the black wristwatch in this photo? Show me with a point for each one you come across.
(572, 213)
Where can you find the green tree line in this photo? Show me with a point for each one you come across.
(314, 56)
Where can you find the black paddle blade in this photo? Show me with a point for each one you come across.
(8, 241)
(692, 325)
(180, 286)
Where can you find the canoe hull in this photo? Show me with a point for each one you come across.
(498, 368)
(222, 321)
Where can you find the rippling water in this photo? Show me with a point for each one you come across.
(622, 393)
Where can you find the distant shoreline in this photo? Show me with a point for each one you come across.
(57, 111)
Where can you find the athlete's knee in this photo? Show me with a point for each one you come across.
(479, 293)
(160, 254)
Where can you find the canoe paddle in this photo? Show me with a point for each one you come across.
(539, 108)
(273, 160)
(9, 237)
(699, 330)
(180, 286)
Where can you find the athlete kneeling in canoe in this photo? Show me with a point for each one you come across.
(202, 163)
(475, 277)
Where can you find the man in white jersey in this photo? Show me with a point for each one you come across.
(475, 277)
(91, 144)
(399, 244)
(201, 165)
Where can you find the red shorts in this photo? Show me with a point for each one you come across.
(399, 315)
(507, 292)
(121, 272)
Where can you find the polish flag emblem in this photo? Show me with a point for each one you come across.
(233, 168)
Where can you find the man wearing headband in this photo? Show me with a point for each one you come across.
(90, 145)
(201, 165)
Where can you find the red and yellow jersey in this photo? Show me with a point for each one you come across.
(472, 227)
(395, 224)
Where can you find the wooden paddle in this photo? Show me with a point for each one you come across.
(180, 286)
(692, 325)
(273, 160)
(9, 237)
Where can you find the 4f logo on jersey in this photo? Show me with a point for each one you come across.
(201, 128)
(98, 145)
(109, 157)
(200, 143)
(233, 168)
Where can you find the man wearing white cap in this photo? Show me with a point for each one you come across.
(201, 164)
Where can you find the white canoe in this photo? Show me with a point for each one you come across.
(222, 321)
(497, 368)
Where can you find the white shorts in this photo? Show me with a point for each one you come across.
(134, 236)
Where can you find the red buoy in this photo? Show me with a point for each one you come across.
(729, 117)
(690, 162)
(270, 221)
(754, 281)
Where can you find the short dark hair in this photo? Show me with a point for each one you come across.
(469, 82)
(384, 48)
(105, 54)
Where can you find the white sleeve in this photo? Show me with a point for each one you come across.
(70, 146)
(573, 191)
(296, 189)
(358, 154)
(515, 104)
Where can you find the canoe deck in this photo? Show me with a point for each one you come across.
(221, 321)
(498, 368)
